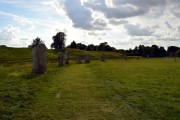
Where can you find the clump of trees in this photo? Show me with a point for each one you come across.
(153, 51)
(36, 42)
(172, 50)
(58, 40)
(3, 46)
(178, 53)
(141, 50)
(101, 47)
(73, 45)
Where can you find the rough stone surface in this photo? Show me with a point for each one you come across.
(39, 58)
(78, 60)
(148, 56)
(60, 59)
(87, 58)
(102, 56)
(125, 56)
(66, 57)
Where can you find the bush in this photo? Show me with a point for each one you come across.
(178, 53)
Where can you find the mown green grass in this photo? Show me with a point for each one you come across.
(112, 90)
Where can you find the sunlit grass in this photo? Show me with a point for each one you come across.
(24, 55)
(114, 90)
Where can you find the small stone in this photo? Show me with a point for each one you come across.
(87, 58)
(78, 60)
(66, 57)
(102, 56)
(60, 59)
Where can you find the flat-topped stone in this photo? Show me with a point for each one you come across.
(66, 57)
(39, 58)
(60, 59)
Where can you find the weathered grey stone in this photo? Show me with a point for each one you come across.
(60, 59)
(78, 60)
(102, 56)
(66, 57)
(39, 58)
(87, 58)
(148, 56)
(175, 58)
(125, 56)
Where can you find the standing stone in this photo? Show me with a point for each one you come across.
(125, 56)
(148, 56)
(87, 59)
(66, 57)
(39, 58)
(60, 59)
(78, 60)
(102, 56)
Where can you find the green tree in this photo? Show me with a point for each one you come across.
(90, 47)
(154, 51)
(73, 45)
(58, 40)
(102, 46)
(162, 52)
(178, 53)
(36, 42)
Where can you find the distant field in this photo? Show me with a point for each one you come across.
(134, 89)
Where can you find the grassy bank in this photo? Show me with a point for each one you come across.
(115, 89)
(24, 55)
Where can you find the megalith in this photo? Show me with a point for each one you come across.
(78, 60)
(66, 57)
(87, 58)
(60, 59)
(39, 58)
(102, 56)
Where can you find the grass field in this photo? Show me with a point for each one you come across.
(23, 55)
(134, 89)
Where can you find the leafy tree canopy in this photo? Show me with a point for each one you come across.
(58, 40)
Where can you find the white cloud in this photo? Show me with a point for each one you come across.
(124, 8)
(168, 24)
(96, 33)
(138, 30)
(122, 23)
(80, 16)
(9, 33)
(118, 22)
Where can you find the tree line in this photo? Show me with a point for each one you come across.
(141, 50)
(153, 51)
(101, 47)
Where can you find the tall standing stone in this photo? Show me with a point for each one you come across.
(60, 59)
(102, 56)
(39, 58)
(175, 58)
(87, 58)
(148, 56)
(66, 57)
(125, 56)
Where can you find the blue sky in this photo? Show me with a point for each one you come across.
(123, 24)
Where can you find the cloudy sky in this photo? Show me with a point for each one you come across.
(123, 24)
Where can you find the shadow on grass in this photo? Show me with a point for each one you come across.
(30, 75)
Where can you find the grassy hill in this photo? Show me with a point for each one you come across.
(20, 55)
